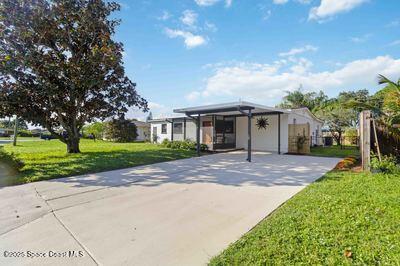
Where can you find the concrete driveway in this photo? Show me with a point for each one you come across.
(175, 213)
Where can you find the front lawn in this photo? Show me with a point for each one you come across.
(48, 159)
(335, 151)
(344, 218)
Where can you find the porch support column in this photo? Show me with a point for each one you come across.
(249, 136)
(279, 133)
(184, 128)
(198, 134)
(172, 130)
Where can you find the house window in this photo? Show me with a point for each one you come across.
(178, 128)
(207, 123)
(163, 128)
(228, 127)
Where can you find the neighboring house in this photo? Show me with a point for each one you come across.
(225, 126)
(143, 130)
(37, 132)
(6, 132)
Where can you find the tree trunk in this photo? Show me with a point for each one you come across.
(73, 144)
(339, 139)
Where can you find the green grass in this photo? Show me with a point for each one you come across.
(344, 211)
(20, 138)
(335, 151)
(48, 159)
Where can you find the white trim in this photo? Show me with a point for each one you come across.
(262, 108)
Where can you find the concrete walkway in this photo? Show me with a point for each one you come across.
(175, 213)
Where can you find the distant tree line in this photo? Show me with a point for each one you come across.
(118, 130)
(341, 113)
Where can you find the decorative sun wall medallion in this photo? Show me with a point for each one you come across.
(262, 123)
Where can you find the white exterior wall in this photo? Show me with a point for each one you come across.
(263, 139)
(191, 130)
(179, 136)
(302, 116)
(161, 137)
(141, 133)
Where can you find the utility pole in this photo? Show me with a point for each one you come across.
(15, 131)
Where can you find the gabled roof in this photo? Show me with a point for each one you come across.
(140, 123)
(309, 112)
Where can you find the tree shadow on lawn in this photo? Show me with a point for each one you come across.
(232, 170)
(55, 166)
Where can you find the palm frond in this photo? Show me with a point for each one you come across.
(384, 80)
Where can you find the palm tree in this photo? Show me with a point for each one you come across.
(384, 80)
(391, 101)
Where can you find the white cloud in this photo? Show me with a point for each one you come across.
(361, 39)
(329, 8)
(153, 105)
(164, 16)
(228, 3)
(267, 82)
(267, 14)
(304, 2)
(394, 23)
(160, 110)
(190, 39)
(124, 6)
(299, 50)
(280, 2)
(194, 95)
(189, 18)
(210, 27)
(206, 2)
(395, 43)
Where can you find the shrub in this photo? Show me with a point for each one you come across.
(347, 163)
(203, 147)
(120, 130)
(388, 165)
(188, 145)
(183, 145)
(166, 143)
(155, 138)
(96, 128)
(11, 159)
(25, 133)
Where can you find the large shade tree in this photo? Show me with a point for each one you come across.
(60, 67)
(336, 118)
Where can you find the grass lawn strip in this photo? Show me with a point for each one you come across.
(344, 218)
(48, 159)
(335, 151)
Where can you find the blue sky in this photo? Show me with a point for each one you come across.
(194, 52)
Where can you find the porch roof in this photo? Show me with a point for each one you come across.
(231, 109)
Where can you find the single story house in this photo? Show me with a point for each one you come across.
(6, 132)
(143, 130)
(240, 125)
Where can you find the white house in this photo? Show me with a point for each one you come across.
(235, 126)
(5, 132)
(143, 130)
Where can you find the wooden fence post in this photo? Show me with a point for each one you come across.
(365, 139)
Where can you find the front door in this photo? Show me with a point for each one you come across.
(225, 136)
(155, 137)
(207, 132)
